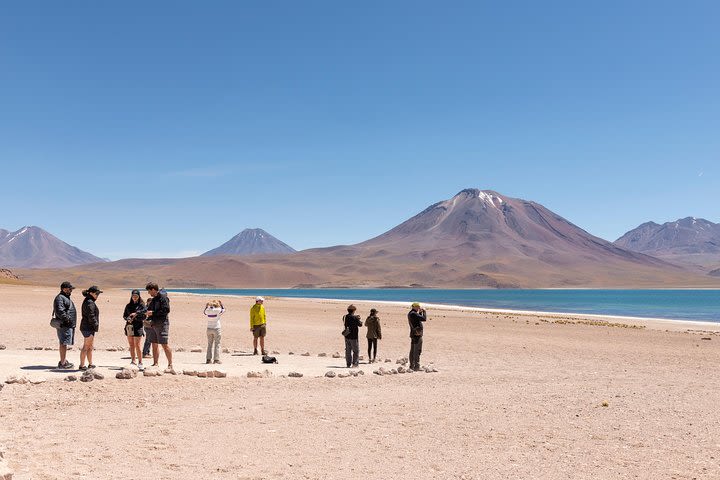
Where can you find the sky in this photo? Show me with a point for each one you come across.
(162, 129)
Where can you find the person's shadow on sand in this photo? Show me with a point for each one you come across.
(39, 367)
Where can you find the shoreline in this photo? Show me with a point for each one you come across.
(643, 321)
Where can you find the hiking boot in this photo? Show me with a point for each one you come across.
(66, 366)
(208, 361)
(92, 366)
(255, 352)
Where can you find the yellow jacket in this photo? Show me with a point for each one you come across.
(257, 315)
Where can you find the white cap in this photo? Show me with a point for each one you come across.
(259, 299)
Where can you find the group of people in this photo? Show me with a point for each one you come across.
(151, 320)
(352, 323)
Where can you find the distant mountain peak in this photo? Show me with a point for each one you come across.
(251, 241)
(689, 235)
(33, 247)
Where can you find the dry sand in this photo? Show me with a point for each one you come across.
(516, 396)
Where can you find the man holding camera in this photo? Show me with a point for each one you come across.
(416, 317)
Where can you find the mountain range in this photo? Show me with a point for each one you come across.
(478, 238)
(687, 241)
(33, 247)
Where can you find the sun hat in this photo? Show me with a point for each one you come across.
(415, 304)
(259, 299)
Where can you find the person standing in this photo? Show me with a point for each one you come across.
(158, 310)
(134, 314)
(149, 333)
(64, 310)
(352, 347)
(416, 317)
(258, 323)
(89, 325)
(374, 333)
(213, 310)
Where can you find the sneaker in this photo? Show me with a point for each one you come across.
(82, 367)
(66, 366)
(92, 366)
(264, 352)
(140, 366)
(208, 361)
(217, 361)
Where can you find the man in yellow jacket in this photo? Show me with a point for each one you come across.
(257, 325)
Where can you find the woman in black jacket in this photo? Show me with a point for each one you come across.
(134, 314)
(89, 325)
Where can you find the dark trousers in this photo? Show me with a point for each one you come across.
(146, 346)
(372, 345)
(415, 351)
(352, 352)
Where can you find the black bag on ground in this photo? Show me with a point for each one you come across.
(268, 359)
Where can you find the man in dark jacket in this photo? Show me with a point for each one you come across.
(352, 346)
(64, 310)
(158, 309)
(416, 317)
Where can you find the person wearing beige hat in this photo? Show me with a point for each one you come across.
(258, 325)
(416, 317)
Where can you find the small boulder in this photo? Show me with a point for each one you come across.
(170, 371)
(336, 355)
(306, 354)
(401, 369)
(402, 361)
(295, 374)
(2, 347)
(219, 374)
(98, 375)
(202, 374)
(322, 354)
(191, 373)
(37, 348)
(73, 378)
(196, 350)
(112, 349)
(226, 350)
(179, 349)
(250, 374)
(387, 360)
(126, 374)
(38, 381)
(360, 372)
(354, 373)
(378, 372)
(330, 374)
(393, 371)
(16, 379)
(291, 353)
(87, 376)
(151, 372)
(342, 375)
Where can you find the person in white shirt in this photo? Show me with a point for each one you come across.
(213, 310)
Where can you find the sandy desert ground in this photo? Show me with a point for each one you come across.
(515, 396)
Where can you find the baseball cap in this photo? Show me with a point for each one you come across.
(66, 285)
(416, 304)
(259, 299)
(94, 289)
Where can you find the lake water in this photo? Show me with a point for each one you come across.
(701, 305)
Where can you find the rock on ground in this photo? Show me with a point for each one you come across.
(330, 374)
(126, 373)
(295, 374)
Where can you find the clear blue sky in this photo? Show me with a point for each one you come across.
(164, 128)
